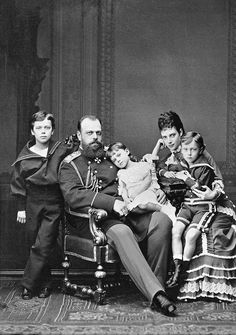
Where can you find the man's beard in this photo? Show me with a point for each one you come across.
(94, 150)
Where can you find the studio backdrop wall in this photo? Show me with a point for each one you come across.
(126, 61)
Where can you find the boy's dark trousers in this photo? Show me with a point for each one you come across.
(43, 215)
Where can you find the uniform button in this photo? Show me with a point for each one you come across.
(111, 167)
(95, 171)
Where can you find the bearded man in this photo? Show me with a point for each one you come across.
(87, 179)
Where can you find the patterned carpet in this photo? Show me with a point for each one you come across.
(125, 313)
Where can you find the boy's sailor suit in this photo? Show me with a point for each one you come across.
(34, 182)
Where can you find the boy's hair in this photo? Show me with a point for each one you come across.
(170, 119)
(41, 116)
(196, 137)
(88, 116)
(115, 147)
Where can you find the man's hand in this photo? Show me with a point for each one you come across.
(21, 217)
(120, 208)
(161, 197)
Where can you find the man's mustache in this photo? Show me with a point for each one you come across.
(96, 142)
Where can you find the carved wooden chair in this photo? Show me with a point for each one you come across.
(95, 250)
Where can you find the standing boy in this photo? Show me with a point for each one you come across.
(39, 200)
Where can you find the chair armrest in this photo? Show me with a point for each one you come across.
(95, 217)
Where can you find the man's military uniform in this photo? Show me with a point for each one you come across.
(85, 183)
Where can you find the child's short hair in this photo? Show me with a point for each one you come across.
(115, 146)
(194, 136)
(170, 119)
(41, 116)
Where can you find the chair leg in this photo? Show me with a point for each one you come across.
(100, 274)
(86, 292)
(74, 289)
(66, 286)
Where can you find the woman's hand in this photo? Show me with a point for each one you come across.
(149, 158)
(208, 194)
(21, 217)
(159, 145)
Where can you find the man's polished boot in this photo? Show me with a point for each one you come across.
(163, 304)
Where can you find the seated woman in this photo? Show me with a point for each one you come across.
(212, 269)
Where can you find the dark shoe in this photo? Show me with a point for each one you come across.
(26, 294)
(163, 304)
(44, 292)
(182, 278)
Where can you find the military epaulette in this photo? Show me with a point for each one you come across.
(72, 156)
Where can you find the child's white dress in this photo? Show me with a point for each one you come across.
(141, 186)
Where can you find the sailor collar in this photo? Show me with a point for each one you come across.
(26, 153)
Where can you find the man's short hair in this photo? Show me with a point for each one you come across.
(170, 119)
(88, 116)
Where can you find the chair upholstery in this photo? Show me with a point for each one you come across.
(95, 250)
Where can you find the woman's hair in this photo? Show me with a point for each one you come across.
(41, 116)
(170, 119)
(193, 136)
(115, 147)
